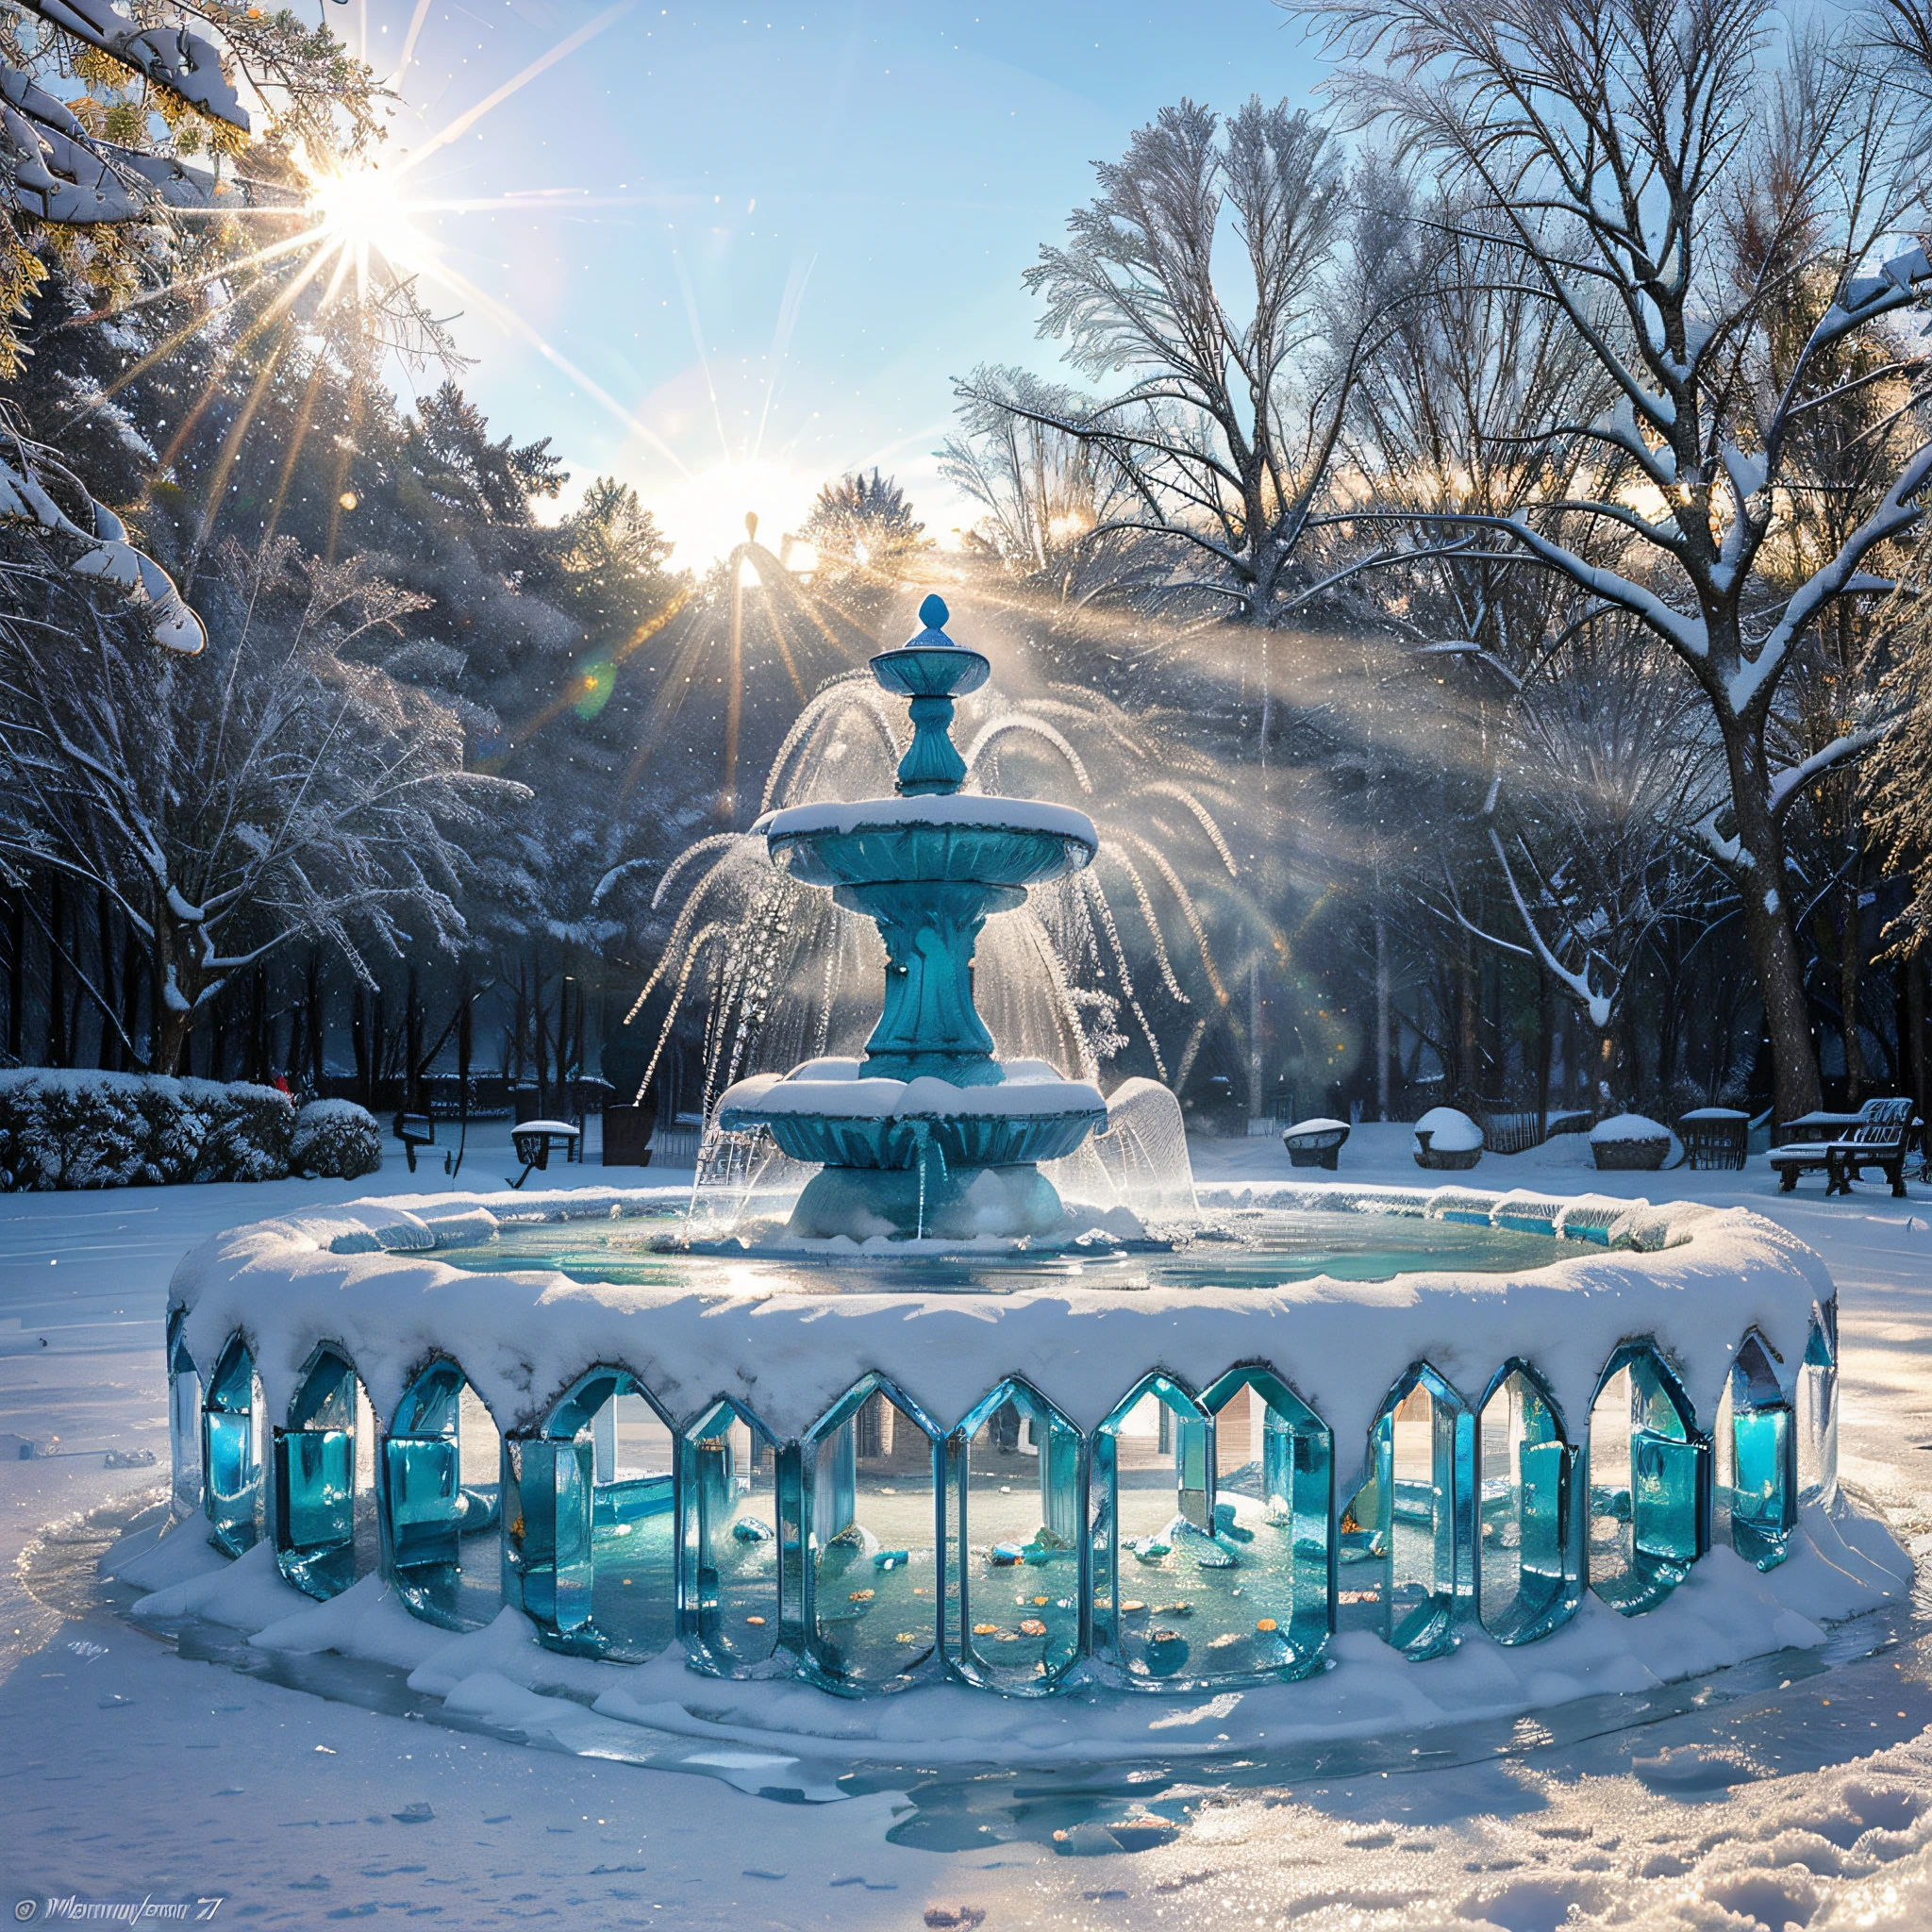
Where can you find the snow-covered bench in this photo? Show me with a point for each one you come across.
(1878, 1139)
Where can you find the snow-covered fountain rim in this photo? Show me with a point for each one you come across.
(975, 810)
(364, 1278)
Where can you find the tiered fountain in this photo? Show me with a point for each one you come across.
(945, 1425)
(929, 1134)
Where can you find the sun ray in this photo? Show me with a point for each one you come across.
(510, 319)
(232, 350)
(409, 40)
(456, 129)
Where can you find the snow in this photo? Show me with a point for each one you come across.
(837, 1089)
(1629, 1126)
(963, 809)
(1781, 1793)
(1449, 1131)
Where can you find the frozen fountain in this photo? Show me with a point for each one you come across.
(945, 1425)
(928, 1133)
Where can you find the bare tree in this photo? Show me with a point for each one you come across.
(1600, 769)
(1224, 436)
(271, 789)
(1042, 490)
(1679, 181)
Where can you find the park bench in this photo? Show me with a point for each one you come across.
(1876, 1138)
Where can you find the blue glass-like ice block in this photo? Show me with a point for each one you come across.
(1764, 1474)
(1405, 1545)
(1528, 1556)
(184, 1423)
(1649, 1482)
(230, 1464)
(1195, 1583)
(872, 1610)
(315, 1480)
(1817, 1417)
(607, 1580)
(1013, 1578)
(547, 1533)
(1261, 1585)
(443, 1562)
(728, 1541)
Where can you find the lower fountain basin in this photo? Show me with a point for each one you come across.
(920, 1157)
(1019, 1462)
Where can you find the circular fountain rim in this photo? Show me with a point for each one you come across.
(366, 1276)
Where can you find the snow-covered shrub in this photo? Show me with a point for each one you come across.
(62, 1128)
(1629, 1141)
(1446, 1139)
(248, 1133)
(336, 1139)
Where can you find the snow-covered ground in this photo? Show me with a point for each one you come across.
(1796, 1791)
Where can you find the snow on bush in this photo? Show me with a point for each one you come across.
(1628, 1126)
(78, 1129)
(1449, 1131)
(336, 1139)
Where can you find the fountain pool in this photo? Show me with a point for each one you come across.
(1413, 1413)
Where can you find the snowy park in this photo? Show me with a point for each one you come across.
(967, 970)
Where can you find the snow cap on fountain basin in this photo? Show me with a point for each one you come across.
(828, 1111)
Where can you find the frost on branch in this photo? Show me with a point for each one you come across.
(172, 58)
(108, 556)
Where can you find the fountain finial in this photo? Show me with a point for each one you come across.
(932, 670)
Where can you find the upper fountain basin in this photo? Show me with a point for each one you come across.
(960, 840)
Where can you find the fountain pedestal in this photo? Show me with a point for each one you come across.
(929, 1134)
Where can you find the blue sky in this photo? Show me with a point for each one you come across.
(727, 251)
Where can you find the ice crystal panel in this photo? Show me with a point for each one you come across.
(1817, 1410)
(1649, 1483)
(729, 1541)
(1762, 1474)
(231, 1451)
(184, 1423)
(1013, 1509)
(593, 1540)
(1404, 1547)
(442, 1475)
(1528, 1570)
(871, 1612)
(324, 1514)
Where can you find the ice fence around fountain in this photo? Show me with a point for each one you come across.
(1172, 1487)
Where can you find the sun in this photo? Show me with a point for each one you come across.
(359, 210)
(704, 516)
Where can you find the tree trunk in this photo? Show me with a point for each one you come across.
(1542, 1052)
(1914, 1057)
(1774, 943)
(313, 1018)
(109, 1056)
(1382, 1040)
(413, 1047)
(131, 977)
(1851, 964)
(56, 973)
(16, 954)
